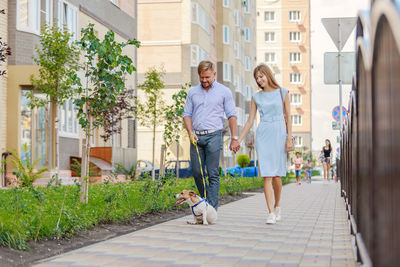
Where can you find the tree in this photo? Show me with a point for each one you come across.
(105, 69)
(173, 124)
(58, 59)
(150, 111)
(123, 109)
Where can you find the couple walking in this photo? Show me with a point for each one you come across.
(204, 117)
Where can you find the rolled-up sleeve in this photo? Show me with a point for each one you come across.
(188, 110)
(229, 105)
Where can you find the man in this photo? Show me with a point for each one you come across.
(204, 119)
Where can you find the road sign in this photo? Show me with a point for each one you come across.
(336, 113)
(335, 125)
(339, 29)
(348, 67)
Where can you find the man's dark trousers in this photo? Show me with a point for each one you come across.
(210, 146)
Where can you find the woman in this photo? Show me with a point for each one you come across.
(326, 162)
(272, 137)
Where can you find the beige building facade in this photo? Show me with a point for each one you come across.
(283, 43)
(177, 35)
(236, 55)
(32, 127)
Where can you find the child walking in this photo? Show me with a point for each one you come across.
(298, 162)
(309, 170)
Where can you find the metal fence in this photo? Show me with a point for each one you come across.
(370, 143)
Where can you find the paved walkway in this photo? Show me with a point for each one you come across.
(313, 232)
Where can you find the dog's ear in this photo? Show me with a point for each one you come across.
(192, 193)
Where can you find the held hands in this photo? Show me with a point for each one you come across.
(234, 146)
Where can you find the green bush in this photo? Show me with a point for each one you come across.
(243, 160)
(24, 169)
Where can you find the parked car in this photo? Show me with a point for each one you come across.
(185, 169)
(250, 171)
(143, 166)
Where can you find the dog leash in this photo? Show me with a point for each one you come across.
(201, 167)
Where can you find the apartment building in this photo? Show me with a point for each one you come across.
(283, 43)
(32, 127)
(236, 55)
(3, 79)
(177, 35)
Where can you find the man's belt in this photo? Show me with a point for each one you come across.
(204, 132)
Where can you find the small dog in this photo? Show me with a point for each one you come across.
(203, 212)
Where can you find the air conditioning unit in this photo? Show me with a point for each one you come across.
(298, 43)
(297, 105)
(292, 63)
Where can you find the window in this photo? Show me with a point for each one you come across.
(236, 48)
(247, 63)
(227, 72)
(68, 16)
(295, 78)
(213, 35)
(246, 6)
(294, 16)
(225, 3)
(226, 39)
(237, 18)
(200, 17)
(47, 11)
(296, 120)
(295, 99)
(68, 119)
(295, 57)
(247, 34)
(270, 57)
(197, 54)
(28, 16)
(294, 36)
(298, 141)
(269, 37)
(269, 16)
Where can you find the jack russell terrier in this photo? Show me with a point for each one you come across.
(203, 212)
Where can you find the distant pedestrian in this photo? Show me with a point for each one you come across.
(309, 167)
(327, 150)
(298, 162)
(203, 117)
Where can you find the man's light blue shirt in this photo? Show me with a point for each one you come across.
(207, 108)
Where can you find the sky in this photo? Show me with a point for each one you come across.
(326, 97)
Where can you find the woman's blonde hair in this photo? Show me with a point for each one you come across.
(264, 69)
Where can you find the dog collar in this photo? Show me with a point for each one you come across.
(201, 201)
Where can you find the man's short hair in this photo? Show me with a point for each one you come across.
(205, 65)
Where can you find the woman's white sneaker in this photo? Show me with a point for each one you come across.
(271, 218)
(278, 213)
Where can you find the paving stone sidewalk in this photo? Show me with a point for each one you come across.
(314, 231)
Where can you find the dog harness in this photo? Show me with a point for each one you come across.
(201, 201)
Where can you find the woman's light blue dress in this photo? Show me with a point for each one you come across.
(271, 133)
